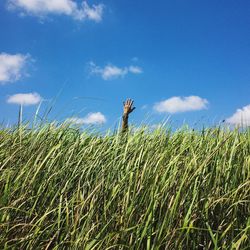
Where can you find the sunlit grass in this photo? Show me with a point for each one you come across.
(62, 188)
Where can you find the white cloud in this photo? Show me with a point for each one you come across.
(92, 13)
(11, 67)
(135, 69)
(110, 71)
(181, 104)
(240, 117)
(43, 8)
(25, 99)
(91, 118)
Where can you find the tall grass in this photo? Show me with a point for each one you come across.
(62, 188)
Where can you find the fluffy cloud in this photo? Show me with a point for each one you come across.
(241, 117)
(110, 71)
(181, 104)
(92, 13)
(11, 67)
(25, 99)
(91, 118)
(135, 69)
(59, 7)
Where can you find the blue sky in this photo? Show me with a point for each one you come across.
(186, 59)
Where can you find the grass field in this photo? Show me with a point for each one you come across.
(65, 188)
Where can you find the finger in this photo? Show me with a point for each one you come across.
(132, 102)
(131, 110)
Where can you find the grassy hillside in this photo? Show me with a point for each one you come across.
(62, 188)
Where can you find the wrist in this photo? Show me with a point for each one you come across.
(125, 115)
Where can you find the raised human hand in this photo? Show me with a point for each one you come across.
(128, 107)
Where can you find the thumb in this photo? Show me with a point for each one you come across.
(133, 109)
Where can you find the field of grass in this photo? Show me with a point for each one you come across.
(64, 188)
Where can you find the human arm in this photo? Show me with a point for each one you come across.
(127, 109)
